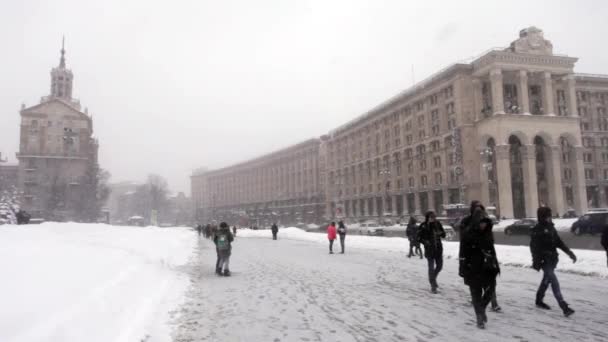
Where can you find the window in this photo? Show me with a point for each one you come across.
(423, 165)
(584, 126)
(606, 174)
(435, 130)
(421, 120)
(408, 125)
(567, 174)
(411, 182)
(587, 142)
(604, 142)
(410, 167)
(409, 140)
(408, 153)
(423, 180)
(421, 134)
(562, 111)
(561, 96)
(448, 92)
(450, 108)
(582, 111)
(438, 178)
(588, 157)
(605, 157)
(437, 161)
(433, 99)
(435, 146)
(434, 115)
(589, 174)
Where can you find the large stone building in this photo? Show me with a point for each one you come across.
(284, 186)
(57, 152)
(515, 128)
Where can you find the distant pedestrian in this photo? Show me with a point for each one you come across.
(213, 232)
(430, 234)
(331, 236)
(234, 230)
(411, 231)
(342, 233)
(479, 264)
(544, 242)
(275, 230)
(605, 238)
(223, 241)
(199, 230)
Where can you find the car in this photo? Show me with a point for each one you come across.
(593, 222)
(371, 228)
(450, 234)
(520, 227)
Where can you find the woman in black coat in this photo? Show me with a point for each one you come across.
(544, 242)
(430, 234)
(478, 264)
(412, 235)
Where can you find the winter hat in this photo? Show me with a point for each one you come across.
(543, 213)
(223, 225)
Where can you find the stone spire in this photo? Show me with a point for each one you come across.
(61, 78)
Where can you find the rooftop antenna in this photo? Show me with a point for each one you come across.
(62, 60)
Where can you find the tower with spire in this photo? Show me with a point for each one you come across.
(62, 78)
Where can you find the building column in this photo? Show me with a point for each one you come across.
(548, 94)
(431, 201)
(524, 99)
(579, 187)
(417, 207)
(484, 182)
(571, 96)
(355, 212)
(394, 205)
(503, 172)
(446, 200)
(530, 180)
(498, 105)
(404, 203)
(554, 180)
(477, 99)
(374, 206)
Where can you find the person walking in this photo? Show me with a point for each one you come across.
(411, 231)
(544, 242)
(199, 230)
(234, 231)
(430, 234)
(342, 233)
(223, 240)
(275, 231)
(213, 229)
(479, 264)
(331, 236)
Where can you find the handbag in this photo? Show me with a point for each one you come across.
(490, 264)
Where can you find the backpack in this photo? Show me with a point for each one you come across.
(222, 242)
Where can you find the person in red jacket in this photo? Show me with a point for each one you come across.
(331, 235)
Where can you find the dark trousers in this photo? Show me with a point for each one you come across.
(549, 278)
(217, 263)
(274, 235)
(342, 237)
(435, 266)
(331, 246)
(415, 249)
(481, 294)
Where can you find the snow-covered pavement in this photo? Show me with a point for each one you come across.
(292, 290)
(82, 282)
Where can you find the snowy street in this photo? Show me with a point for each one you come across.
(293, 290)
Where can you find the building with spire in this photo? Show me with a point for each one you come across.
(57, 152)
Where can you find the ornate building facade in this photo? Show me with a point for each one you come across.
(515, 128)
(57, 152)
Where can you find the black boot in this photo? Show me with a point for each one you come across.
(226, 273)
(566, 309)
(480, 322)
(218, 271)
(540, 304)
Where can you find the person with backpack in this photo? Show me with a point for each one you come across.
(412, 235)
(223, 241)
(275, 231)
(342, 233)
(478, 263)
(430, 234)
(331, 236)
(544, 242)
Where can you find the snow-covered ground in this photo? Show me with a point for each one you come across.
(83, 282)
(293, 290)
(589, 262)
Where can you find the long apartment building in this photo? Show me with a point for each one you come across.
(284, 186)
(515, 128)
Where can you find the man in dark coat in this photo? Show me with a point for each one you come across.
(223, 241)
(430, 234)
(544, 242)
(275, 231)
(342, 234)
(411, 231)
(478, 263)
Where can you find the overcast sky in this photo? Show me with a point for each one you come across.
(176, 85)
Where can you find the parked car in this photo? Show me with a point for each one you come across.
(371, 228)
(520, 227)
(591, 223)
(450, 233)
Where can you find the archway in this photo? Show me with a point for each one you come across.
(517, 179)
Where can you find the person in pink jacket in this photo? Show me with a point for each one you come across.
(331, 235)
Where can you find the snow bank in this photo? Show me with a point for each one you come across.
(90, 282)
(591, 263)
